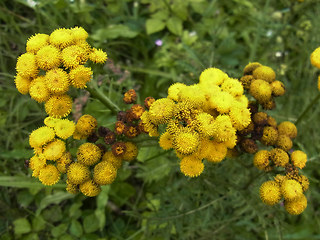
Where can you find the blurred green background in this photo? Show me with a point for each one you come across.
(152, 44)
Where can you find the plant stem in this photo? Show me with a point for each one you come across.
(307, 109)
(102, 98)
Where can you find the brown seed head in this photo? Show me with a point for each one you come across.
(148, 101)
(130, 96)
(118, 149)
(119, 127)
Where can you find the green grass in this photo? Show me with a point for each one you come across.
(151, 199)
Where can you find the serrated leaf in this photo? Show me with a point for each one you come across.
(174, 25)
(154, 25)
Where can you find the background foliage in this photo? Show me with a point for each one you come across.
(152, 44)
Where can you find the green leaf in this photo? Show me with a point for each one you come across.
(76, 228)
(113, 32)
(102, 201)
(55, 198)
(21, 226)
(90, 223)
(59, 230)
(154, 25)
(174, 25)
(24, 182)
(38, 223)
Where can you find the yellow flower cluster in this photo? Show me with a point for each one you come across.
(261, 83)
(52, 64)
(295, 202)
(201, 120)
(315, 61)
(50, 155)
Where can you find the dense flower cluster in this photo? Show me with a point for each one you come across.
(54, 63)
(202, 120)
(264, 129)
(315, 61)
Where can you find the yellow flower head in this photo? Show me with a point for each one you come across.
(57, 80)
(27, 66)
(48, 57)
(291, 189)
(250, 68)
(205, 124)
(261, 159)
(246, 81)
(73, 56)
(288, 128)
(111, 158)
(270, 193)
(89, 188)
(191, 166)
(216, 152)
(72, 188)
(212, 76)
(86, 125)
(64, 128)
(37, 162)
(61, 38)
(261, 90)
(284, 142)
(174, 90)
(265, 73)
(98, 56)
(222, 102)
(131, 152)
(161, 110)
(304, 181)
(260, 118)
(50, 121)
(186, 142)
(49, 175)
(64, 162)
(22, 84)
(248, 145)
(88, 154)
(80, 75)
(232, 86)
(79, 33)
(36, 42)
(296, 206)
(270, 136)
(242, 101)
(299, 159)
(240, 117)
(78, 173)
(41, 136)
(279, 179)
(54, 150)
(38, 90)
(223, 129)
(192, 94)
(279, 157)
(59, 106)
(315, 57)
(165, 141)
(278, 88)
(148, 126)
(184, 111)
(104, 173)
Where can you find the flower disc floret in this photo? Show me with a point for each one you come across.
(58, 106)
(261, 90)
(212, 76)
(61, 38)
(222, 102)
(111, 158)
(64, 162)
(27, 66)
(78, 173)
(205, 124)
(191, 166)
(186, 142)
(250, 67)
(278, 88)
(98, 56)
(223, 129)
(165, 141)
(131, 152)
(315, 57)
(86, 125)
(232, 86)
(38, 90)
(36, 42)
(73, 56)
(288, 128)
(297, 206)
(48, 57)
(49, 175)
(299, 159)
(79, 33)
(284, 142)
(216, 152)
(291, 189)
(80, 75)
(89, 188)
(104, 173)
(41, 136)
(64, 128)
(161, 110)
(270, 136)
(174, 90)
(57, 80)
(270, 193)
(192, 94)
(22, 84)
(240, 117)
(54, 150)
(261, 159)
(279, 157)
(88, 154)
(265, 73)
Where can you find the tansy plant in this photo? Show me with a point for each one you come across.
(217, 117)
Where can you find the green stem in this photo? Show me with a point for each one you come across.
(302, 115)
(103, 99)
